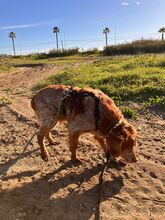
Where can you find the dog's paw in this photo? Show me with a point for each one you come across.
(76, 160)
(45, 156)
(116, 164)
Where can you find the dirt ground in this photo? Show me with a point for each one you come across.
(33, 189)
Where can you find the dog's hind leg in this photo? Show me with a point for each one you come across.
(49, 137)
(48, 134)
(46, 121)
(73, 141)
(40, 136)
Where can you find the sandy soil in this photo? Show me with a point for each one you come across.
(33, 189)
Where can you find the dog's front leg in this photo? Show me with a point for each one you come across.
(73, 141)
(101, 142)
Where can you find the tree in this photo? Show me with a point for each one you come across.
(56, 30)
(162, 30)
(12, 36)
(106, 31)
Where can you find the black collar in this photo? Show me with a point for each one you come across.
(117, 123)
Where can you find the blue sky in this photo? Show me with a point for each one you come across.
(81, 22)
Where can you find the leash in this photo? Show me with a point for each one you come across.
(100, 185)
(4, 174)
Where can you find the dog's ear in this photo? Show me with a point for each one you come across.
(121, 132)
(130, 130)
(129, 141)
(126, 131)
(121, 135)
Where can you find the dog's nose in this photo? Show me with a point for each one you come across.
(135, 159)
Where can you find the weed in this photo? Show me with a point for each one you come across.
(4, 101)
(5, 67)
(158, 100)
(129, 113)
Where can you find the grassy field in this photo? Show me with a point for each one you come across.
(127, 79)
(9, 63)
(139, 78)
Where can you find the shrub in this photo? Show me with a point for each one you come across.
(54, 53)
(91, 51)
(65, 52)
(136, 47)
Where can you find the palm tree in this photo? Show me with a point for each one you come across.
(12, 36)
(162, 30)
(56, 30)
(106, 31)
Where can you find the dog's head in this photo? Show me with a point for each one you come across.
(122, 142)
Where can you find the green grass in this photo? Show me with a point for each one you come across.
(5, 65)
(129, 112)
(9, 63)
(135, 78)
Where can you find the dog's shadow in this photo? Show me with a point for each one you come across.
(72, 196)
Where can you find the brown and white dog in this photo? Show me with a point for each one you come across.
(85, 110)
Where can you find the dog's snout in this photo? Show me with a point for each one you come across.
(134, 160)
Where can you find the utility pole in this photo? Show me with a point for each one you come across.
(115, 36)
(64, 41)
(106, 31)
(12, 36)
(62, 45)
(162, 30)
(56, 30)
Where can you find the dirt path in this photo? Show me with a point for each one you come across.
(34, 189)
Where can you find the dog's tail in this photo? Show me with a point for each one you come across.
(33, 103)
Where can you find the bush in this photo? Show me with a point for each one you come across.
(65, 52)
(91, 51)
(136, 47)
(54, 53)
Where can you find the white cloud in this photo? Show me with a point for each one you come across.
(25, 25)
(138, 3)
(124, 3)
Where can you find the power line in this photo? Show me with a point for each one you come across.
(31, 45)
(90, 39)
